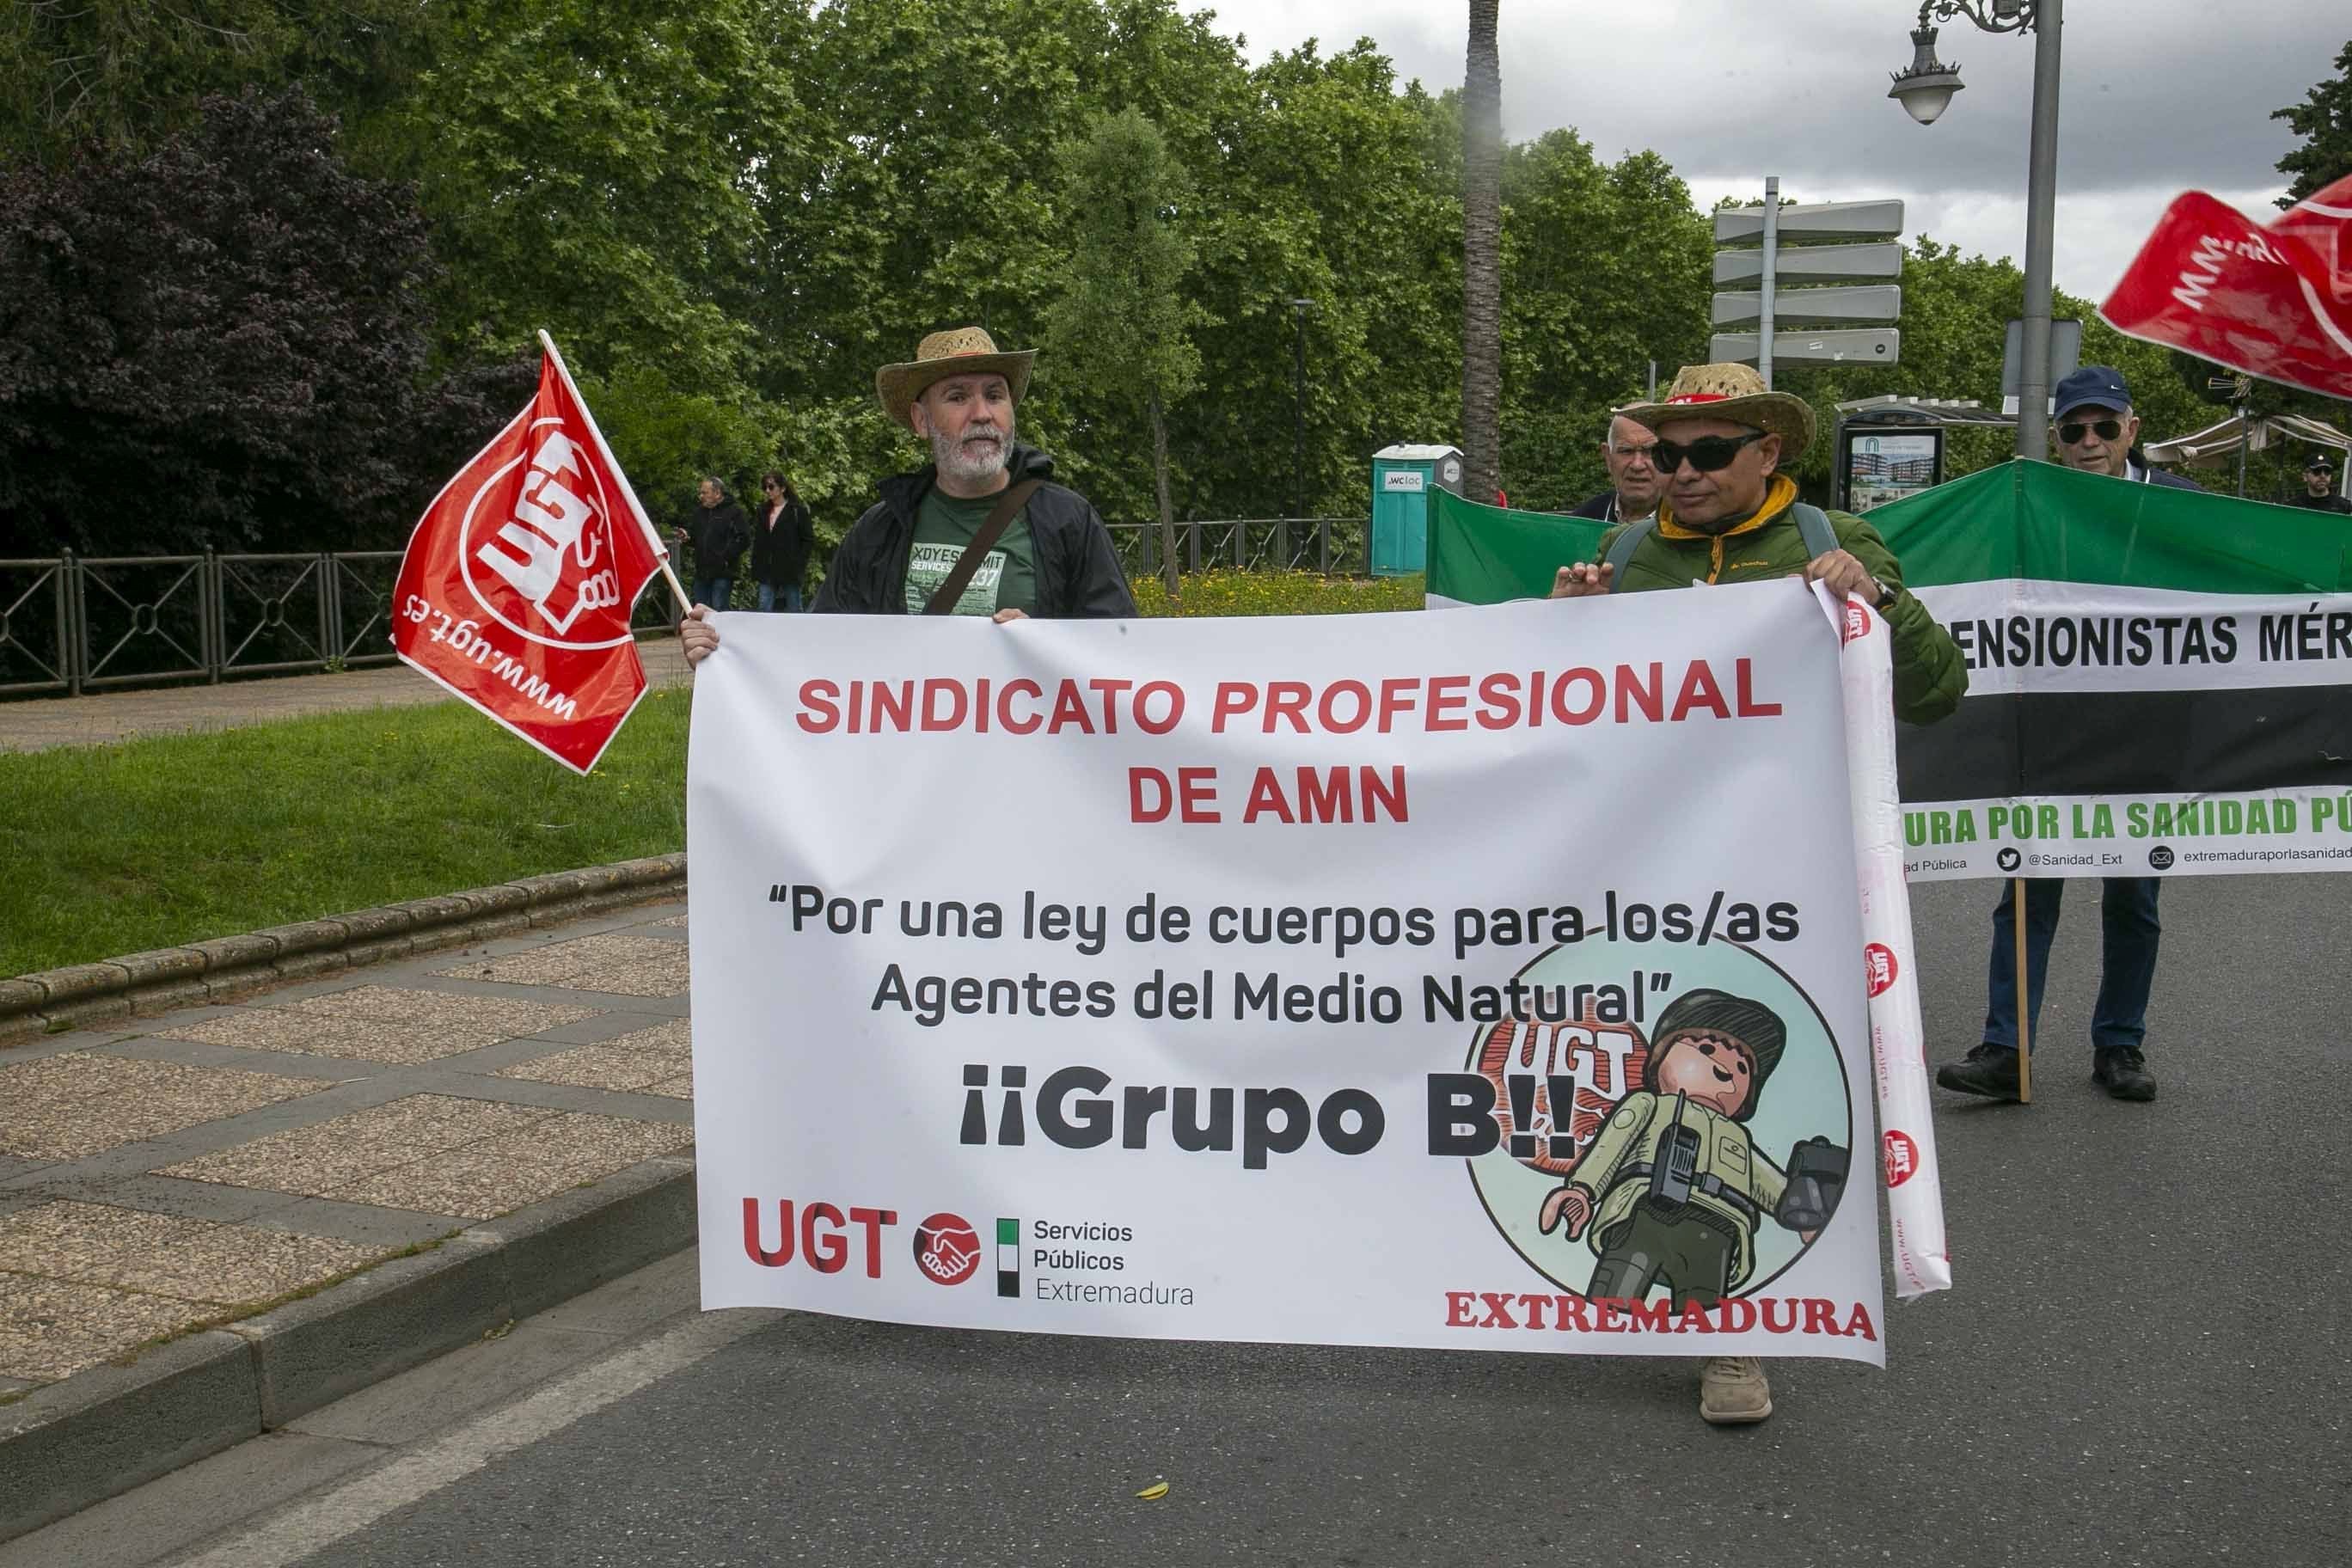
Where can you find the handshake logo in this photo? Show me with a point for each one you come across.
(947, 1250)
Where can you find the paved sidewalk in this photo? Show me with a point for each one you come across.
(180, 1171)
(38, 723)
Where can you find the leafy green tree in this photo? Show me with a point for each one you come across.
(585, 168)
(1122, 327)
(2324, 120)
(1326, 195)
(1606, 268)
(217, 344)
(125, 74)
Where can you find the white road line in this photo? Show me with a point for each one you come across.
(313, 1525)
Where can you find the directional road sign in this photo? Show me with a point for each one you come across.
(2065, 353)
(1874, 303)
(1822, 221)
(1812, 264)
(1866, 345)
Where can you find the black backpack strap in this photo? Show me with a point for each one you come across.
(1628, 539)
(1813, 524)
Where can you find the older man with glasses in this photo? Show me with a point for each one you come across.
(1727, 514)
(1634, 482)
(2096, 431)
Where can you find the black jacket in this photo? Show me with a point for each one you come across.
(1601, 508)
(2162, 478)
(1078, 574)
(718, 534)
(780, 554)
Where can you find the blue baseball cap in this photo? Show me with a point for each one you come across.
(2094, 384)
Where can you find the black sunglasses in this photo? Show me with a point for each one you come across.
(2108, 429)
(1708, 454)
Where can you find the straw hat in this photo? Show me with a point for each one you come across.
(960, 351)
(1736, 393)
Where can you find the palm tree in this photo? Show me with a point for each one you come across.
(1482, 258)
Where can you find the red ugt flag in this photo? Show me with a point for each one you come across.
(516, 589)
(2271, 301)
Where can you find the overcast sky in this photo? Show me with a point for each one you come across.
(2158, 97)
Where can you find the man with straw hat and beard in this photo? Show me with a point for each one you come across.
(980, 529)
(1729, 515)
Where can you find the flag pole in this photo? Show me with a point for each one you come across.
(628, 491)
(2024, 990)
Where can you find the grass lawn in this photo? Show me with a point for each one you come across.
(1277, 593)
(114, 849)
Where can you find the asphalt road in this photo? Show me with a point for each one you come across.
(2144, 1361)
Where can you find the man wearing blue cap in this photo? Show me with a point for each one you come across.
(2093, 429)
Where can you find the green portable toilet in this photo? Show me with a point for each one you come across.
(1402, 479)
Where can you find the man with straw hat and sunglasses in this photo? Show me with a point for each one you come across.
(981, 529)
(1729, 515)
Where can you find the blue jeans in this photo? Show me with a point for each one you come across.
(2126, 968)
(787, 598)
(713, 591)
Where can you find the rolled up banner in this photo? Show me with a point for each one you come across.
(1915, 1194)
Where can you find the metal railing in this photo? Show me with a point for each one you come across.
(1334, 546)
(75, 622)
(85, 623)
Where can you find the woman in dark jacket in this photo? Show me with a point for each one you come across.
(782, 535)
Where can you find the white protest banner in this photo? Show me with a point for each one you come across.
(1279, 980)
(1898, 1034)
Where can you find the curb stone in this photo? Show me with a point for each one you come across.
(104, 1431)
(225, 967)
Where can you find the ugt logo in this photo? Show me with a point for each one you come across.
(554, 550)
(947, 1250)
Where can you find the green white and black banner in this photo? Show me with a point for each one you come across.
(2160, 679)
(1487, 555)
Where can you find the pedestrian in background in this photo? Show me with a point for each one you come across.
(2319, 488)
(782, 534)
(1634, 482)
(2093, 431)
(717, 531)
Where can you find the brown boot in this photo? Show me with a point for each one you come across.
(1732, 1390)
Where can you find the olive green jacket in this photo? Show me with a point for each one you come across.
(1630, 1138)
(1930, 678)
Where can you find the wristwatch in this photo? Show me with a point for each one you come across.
(1886, 595)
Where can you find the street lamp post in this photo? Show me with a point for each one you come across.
(1925, 89)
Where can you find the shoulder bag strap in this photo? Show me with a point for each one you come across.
(1813, 524)
(1622, 551)
(991, 529)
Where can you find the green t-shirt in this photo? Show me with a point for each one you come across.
(944, 524)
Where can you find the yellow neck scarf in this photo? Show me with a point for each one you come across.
(1779, 495)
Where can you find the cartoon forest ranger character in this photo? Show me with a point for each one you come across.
(1672, 1188)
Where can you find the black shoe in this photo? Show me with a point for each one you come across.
(2122, 1072)
(1987, 1070)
